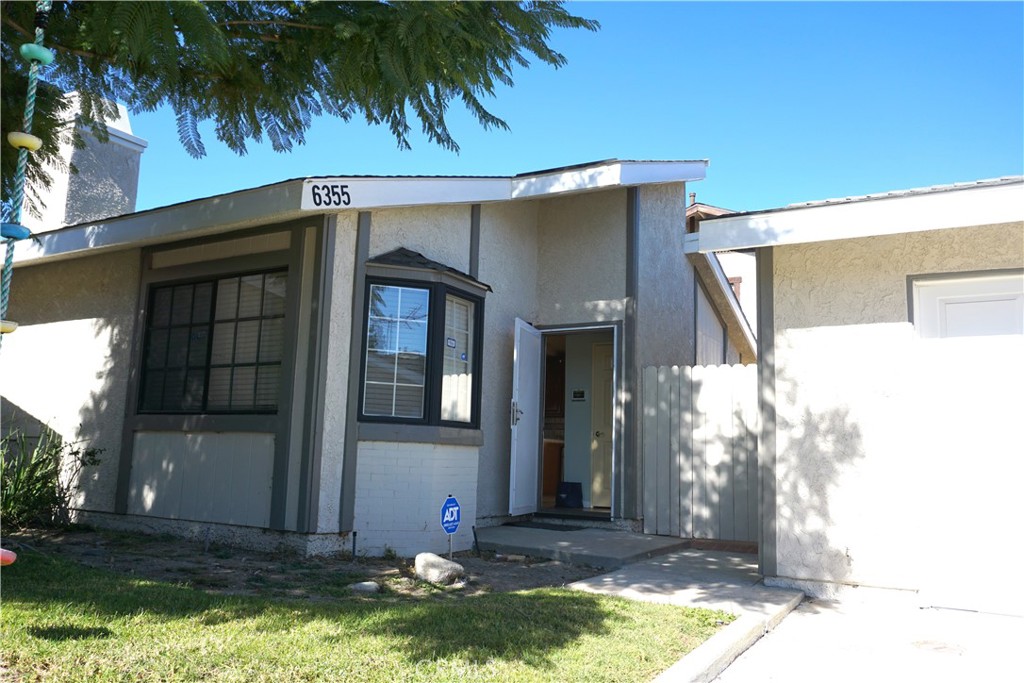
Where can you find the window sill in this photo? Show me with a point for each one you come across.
(449, 436)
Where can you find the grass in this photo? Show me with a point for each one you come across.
(61, 621)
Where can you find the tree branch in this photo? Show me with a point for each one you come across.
(271, 22)
(56, 46)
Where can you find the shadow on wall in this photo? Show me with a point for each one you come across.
(67, 366)
(102, 415)
(818, 451)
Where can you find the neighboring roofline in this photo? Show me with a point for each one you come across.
(985, 202)
(709, 209)
(291, 199)
(723, 298)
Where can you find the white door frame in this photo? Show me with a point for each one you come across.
(616, 329)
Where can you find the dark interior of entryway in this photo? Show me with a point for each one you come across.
(576, 455)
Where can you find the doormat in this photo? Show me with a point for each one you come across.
(543, 525)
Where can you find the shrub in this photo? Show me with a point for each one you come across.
(37, 479)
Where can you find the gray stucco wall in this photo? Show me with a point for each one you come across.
(888, 445)
(336, 383)
(581, 274)
(508, 263)
(440, 233)
(665, 312)
(67, 364)
(107, 182)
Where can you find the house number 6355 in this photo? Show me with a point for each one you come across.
(330, 195)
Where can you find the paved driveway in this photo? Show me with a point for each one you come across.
(878, 640)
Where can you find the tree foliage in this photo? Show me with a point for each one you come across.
(265, 70)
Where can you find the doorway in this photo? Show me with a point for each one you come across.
(578, 425)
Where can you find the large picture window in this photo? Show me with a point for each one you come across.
(421, 350)
(215, 346)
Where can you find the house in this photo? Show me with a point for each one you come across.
(321, 362)
(891, 342)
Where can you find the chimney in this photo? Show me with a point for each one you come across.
(106, 184)
(693, 198)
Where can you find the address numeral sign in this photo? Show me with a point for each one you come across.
(329, 195)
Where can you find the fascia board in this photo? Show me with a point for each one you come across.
(292, 199)
(382, 193)
(613, 174)
(883, 216)
(576, 180)
(203, 217)
(653, 172)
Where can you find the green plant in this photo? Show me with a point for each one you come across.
(37, 479)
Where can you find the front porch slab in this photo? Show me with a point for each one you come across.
(603, 548)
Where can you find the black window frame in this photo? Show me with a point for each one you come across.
(438, 291)
(151, 292)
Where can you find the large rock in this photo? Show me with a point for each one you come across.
(435, 569)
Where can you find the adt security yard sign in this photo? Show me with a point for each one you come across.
(451, 514)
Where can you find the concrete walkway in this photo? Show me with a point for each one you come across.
(709, 579)
(662, 569)
(883, 638)
(778, 636)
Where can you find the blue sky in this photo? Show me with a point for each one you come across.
(789, 101)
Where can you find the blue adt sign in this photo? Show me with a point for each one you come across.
(450, 515)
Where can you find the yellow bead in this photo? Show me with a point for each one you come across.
(19, 140)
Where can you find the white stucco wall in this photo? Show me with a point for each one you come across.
(891, 448)
(509, 264)
(581, 273)
(67, 364)
(400, 488)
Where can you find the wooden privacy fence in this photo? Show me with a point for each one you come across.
(699, 440)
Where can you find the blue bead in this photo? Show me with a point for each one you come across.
(14, 231)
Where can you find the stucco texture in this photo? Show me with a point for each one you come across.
(67, 364)
(665, 295)
(440, 233)
(889, 446)
(508, 263)
(581, 274)
(336, 385)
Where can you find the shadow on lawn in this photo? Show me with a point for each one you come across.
(69, 632)
(524, 627)
(521, 627)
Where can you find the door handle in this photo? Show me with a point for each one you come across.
(516, 413)
(598, 433)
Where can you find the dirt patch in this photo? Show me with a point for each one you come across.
(231, 571)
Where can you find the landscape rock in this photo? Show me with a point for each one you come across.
(435, 569)
(365, 587)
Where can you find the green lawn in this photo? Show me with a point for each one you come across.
(64, 622)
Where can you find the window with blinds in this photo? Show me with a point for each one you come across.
(420, 363)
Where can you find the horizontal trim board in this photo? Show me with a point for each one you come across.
(964, 208)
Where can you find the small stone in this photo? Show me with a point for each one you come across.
(365, 587)
(435, 569)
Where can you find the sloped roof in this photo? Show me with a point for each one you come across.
(407, 258)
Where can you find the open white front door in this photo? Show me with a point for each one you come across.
(525, 419)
